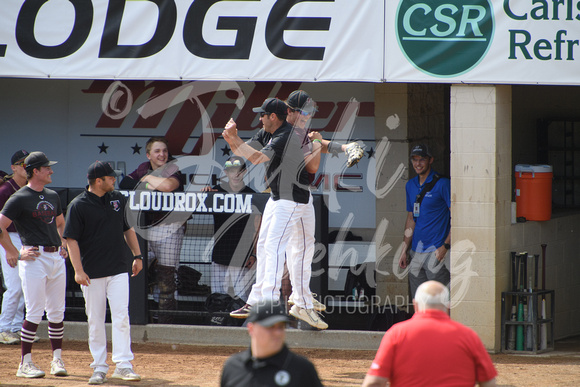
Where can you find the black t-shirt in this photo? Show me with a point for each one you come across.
(97, 224)
(283, 369)
(285, 172)
(229, 247)
(34, 214)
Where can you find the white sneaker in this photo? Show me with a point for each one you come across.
(318, 306)
(98, 377)
(29, 370)
(125, 374)
(8, 338)
(308, 315)
(57, 368)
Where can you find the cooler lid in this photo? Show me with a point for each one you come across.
(535, 168)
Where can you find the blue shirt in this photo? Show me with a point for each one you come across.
(434, 221)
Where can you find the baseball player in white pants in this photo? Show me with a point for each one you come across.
(289, 205)
(37, 213)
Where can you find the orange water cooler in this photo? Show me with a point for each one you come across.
(534, 191)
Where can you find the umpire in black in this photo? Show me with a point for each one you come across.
(268, 362)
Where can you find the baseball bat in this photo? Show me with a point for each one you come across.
(520, 328)
(513, 315)
(543, 327)
(530, 317)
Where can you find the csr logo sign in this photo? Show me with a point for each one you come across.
(445, 38)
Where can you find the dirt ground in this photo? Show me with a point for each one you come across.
(188, 365)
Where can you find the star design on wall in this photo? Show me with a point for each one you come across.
(371, 153)
(136, 149)
(226, 151)
(103, 148)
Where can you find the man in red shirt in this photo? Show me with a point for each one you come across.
(430, 349)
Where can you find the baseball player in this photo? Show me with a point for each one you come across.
(12, 300)
(164, 239)
(96, 231)
(288, 207)
(37, 213)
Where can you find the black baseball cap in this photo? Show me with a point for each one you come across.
(100, 169)
(37, 160)
(300, 100)
(18, 157)
(235, 162)
(421, 150)
(267, 313)
(272, 105)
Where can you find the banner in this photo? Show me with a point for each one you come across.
(483, 41)
(258, 40)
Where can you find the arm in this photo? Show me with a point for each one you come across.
(407, 239)
(312, 160)
(12, 253)
(133, 243)
(239, 147)
(74, 251)
(163, 184)
(441, 250)
(375, 381)
(489, 383)
(60, 227)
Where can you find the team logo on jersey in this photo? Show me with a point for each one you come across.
(445, 38)
(44, 212)
(282, 378)
(116, 205)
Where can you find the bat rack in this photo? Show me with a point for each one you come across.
(532, 324)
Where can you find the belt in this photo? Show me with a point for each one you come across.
(49, 249)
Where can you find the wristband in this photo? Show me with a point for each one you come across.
(147, 185)
(19, 257)
(140, 256)
(317, 140)
(334, 147)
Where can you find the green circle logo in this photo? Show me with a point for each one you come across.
(445, 38)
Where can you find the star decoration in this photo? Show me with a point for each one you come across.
(334, 154)
(226, 151)
(103, 148)
(136, 149)
(371, 153)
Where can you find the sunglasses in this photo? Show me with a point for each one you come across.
(235, 163)
(262, 114)
(20, 163)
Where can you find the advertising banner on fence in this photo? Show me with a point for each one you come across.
(76, 122)
(509, 41)
(321, 40)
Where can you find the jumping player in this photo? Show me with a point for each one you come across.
(288, 205)
(96, 231)
(37, 213)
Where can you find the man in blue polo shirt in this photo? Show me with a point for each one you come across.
(428, 225)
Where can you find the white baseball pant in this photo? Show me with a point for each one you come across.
(13, 298)
(279, 219)
(44, 286)
(116, 290)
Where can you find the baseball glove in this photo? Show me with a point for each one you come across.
(354, 153)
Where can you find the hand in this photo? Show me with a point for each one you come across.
(440, 253)
(207, 188)
(29, 254)
(314, 135)
(403, 260)
(63, 251)
(82, 279)
(230, 131)
(251, 261)
(136, 267)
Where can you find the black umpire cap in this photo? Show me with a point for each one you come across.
(99, 169)
(37, 160)
(267, 313)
